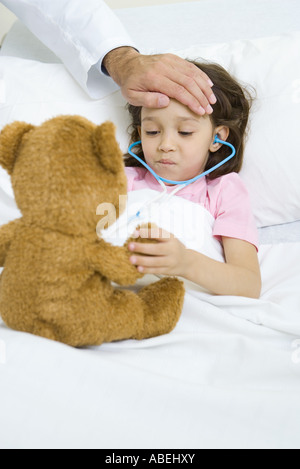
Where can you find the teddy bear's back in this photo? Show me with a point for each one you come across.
(46, 277)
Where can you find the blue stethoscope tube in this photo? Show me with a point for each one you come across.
(190, 181)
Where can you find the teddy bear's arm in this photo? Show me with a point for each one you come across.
(7, 233)
(113, 262)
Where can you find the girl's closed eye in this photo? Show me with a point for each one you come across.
(152, 132)
(185, 134)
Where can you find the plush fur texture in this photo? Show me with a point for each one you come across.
(57, 275)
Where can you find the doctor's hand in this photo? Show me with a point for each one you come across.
(150, 80)
(163, 255)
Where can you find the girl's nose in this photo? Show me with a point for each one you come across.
(167, 144)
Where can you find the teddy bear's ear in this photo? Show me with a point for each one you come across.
(107, 148)
(10, 140)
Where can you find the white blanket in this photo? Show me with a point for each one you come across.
(217, 380)
(192, 224)
(228, 376)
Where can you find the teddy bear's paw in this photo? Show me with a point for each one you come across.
(145, 233)
(163, 303)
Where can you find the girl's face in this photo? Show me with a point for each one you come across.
(176, 142)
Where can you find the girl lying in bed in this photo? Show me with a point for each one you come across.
(179, 145)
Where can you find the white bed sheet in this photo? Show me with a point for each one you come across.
(217, 381)
(227, 377)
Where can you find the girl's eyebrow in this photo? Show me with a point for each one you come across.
(149, 119)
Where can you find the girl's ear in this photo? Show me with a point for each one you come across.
(222, 132)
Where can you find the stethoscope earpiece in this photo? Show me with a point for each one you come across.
(217, 140)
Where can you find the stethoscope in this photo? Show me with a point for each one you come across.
(190, 181)
(164, 196)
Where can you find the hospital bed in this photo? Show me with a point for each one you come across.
(228, 376)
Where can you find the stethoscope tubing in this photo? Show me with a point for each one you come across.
(190, 181)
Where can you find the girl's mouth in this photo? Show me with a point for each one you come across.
(166, 162)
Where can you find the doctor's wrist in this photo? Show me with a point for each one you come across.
(115, 63)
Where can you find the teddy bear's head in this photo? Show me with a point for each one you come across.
(63, 170)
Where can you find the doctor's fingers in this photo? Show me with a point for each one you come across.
(148, 99)
(185, 74)
(191, 90)
(180, 87)
(185, 91)
(157, 77)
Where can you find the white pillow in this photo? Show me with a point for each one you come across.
(34, 91)
(271, 168)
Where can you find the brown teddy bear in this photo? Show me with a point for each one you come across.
(57, 275)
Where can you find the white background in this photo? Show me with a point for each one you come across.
(7, 18)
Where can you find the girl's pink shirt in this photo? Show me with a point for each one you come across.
(226, 198)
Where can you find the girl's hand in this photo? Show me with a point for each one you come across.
(165, 257)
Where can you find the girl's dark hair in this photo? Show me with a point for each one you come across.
(231, 110)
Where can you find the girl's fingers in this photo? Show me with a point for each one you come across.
(144, 261)
(148, 249)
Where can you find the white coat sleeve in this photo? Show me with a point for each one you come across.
(79, 33)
